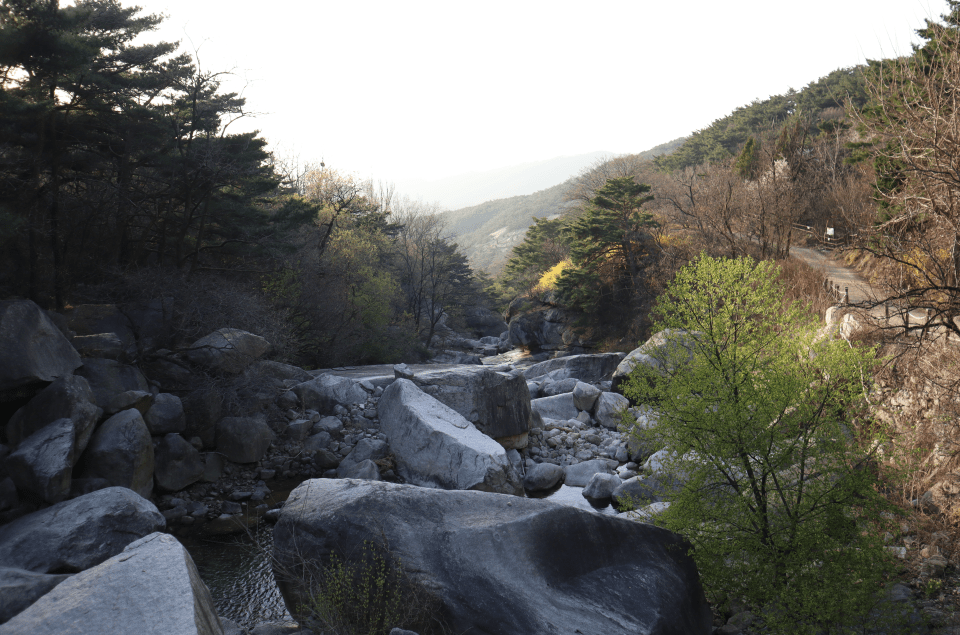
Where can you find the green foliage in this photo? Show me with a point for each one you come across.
(544, 245)
(610, 244)
(763, 418)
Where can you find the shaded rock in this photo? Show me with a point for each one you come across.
(330, 425)
(585, 396)
(558, 407)
(326, 392)
(81, 486)
(366, 449)
(8, 494)
(43, 462)
(77, 534)
(213, 464)
(365, 470)
(298, 430)
(542, 476)
(483, 322)
(102, 319)
(165, 415)
(580, 474)
(497, 403)
(202, 410)
(153, 587)
(243, 439)
(609, 409)
(32, 348)
(227, 350)
(108, 377)
(435, 446)
(20, 588)
(666, 348)
(121, 451)
(138, 399)
(106, 345)
(68, 397)
(326, 460)
(277, 370)
(549, 388)
(601, 486)
(177, 463)
(587, 368)
(464, 547)
(317, 442)
(151, 321)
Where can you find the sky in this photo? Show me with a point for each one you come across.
(427, 89)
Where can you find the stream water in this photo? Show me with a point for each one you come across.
(238, 572)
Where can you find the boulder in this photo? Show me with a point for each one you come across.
(542, 476)
(202, 410)
(151, 321)
(32, 348)
(639, 491)
(601, 486)
(165, 415)
(20, 588)
(365, 470)
(464, 547)
(483, 322)
(319, 441)
(435, 446)
(366, 449)
(43, 463)
(227, 350)
(80, 533)
(558, 407)
(539, 330)
(550, 388)
(580, 474)
(121, 451)
(152, 588)
(585, 396)
(108, 377)
(277, 370)
(68, 397)
(102, 319)
(497, 403)
(587, 368)
(243, 439)
(609, 409)
(666, 348)
(138, 399)
(106, 345)
(177, 463)
(327, 391)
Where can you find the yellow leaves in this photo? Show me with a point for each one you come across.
(548, 281)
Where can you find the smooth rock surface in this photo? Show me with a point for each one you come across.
(32, 347)
(243, 439)
(580, 474)
(42, 465)
(80, 533)
(435, 446)
(108, 377)
(177, 463)
(20, 588)
(325, 392)
(165, 415)
(542, 476)
(92, 320)
(68, 397)
(587, 368)
(558, 407)
(502, 565)
(121, 451)
(609, 409)
(228, 350)
(152, 588)
(601, 486)
(585, 396)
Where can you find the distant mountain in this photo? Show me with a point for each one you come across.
(462, 190)
(488, 232)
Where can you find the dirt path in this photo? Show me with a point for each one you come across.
(848, 279)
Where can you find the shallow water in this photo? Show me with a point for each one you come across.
(240, 577)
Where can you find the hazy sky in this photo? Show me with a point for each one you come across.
(422, 89)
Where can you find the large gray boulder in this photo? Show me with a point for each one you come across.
(165, 415)
(600, 486)
(609, 408)
(108, 377)
(558, 407)
(228, 350)
(542, 476)
(121, 451)
(497, 403)
(77, 534)
(585, 396)
(667, 348)
(68, 397)
(325, 392)
(100, 319)
(32, 348)
(152, 588)
(20, 588)
(581, 572)
(587, 368)
(580, 474)
(177, 464)
(435, 446)
(42, 465)
(243, 439)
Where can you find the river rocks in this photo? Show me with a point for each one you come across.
(43, 463)
(587, 368)
(101, 320)
(580, 474)
(542, 476)
(601, 486)
(366, 449)
(68, 397)
(227, 350)
(138, 399)
(465, 548)
(549, 388)
(497, 403)
(165, 415)
(585, 396)
(177, 463)
(243, 439)
(121, 451)
(365, 470)
(153, 587)
(609, 409)
(32, 348)
(20, 588)
(327, 391)
(108, 377)
(107, 345)
(77, 534)
(435, 446)
(558, 407)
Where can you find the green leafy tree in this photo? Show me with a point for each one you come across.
(543, 246)
(610, 245)
(774, 481)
